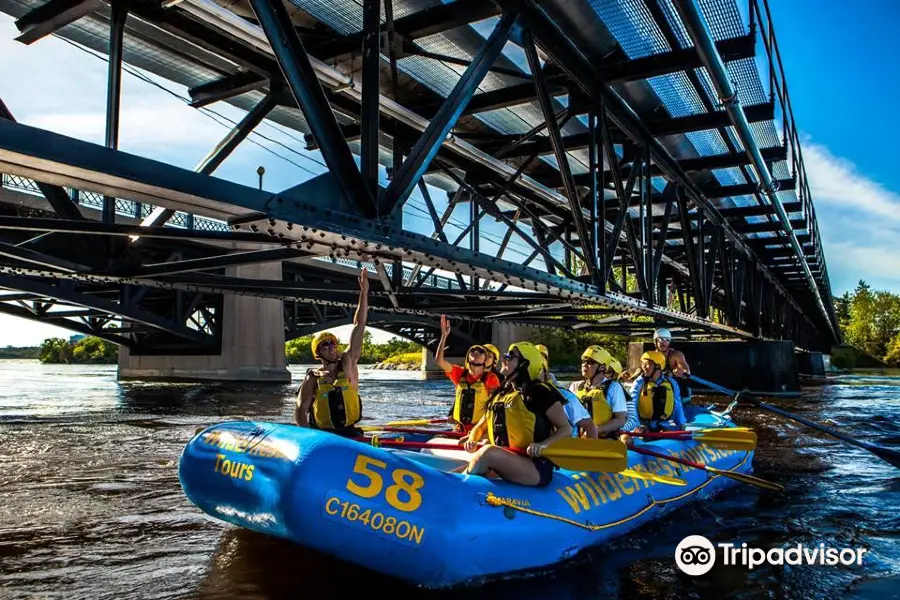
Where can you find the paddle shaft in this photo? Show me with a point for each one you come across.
(448, 433)
(422, 445)
(891, 456)
(683, 461)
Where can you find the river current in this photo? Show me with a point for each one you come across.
(91, 506)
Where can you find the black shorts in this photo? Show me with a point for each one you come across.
(545, 470)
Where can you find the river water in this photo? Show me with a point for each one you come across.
(91, 507)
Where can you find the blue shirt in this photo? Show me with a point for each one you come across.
(677, 412)
(631, 421)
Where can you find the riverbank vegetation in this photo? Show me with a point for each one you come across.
(870, 322)
(87, 350)
(20, 353)
(299, 351)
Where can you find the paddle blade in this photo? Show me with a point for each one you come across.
(579, 454)
(761, 483)
(653, 477)
(887, 454)
(727, 438)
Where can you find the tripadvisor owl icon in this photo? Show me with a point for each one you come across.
(695, 555)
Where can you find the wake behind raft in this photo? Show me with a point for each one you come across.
(402, 513)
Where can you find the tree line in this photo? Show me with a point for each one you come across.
(869, 321)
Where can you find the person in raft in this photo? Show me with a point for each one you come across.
(603, 398)
(329, 396)
(658, 400)
(676, 363)
(579, 418)
(526, 413)
(614, 372)
(474, 383)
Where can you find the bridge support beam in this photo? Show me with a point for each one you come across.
(252, 342)
(759, 366)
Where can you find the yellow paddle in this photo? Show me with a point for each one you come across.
(574, 454)
(730, 438)
(585, 454)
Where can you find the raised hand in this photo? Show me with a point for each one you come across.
(445, 325)
(364, 281)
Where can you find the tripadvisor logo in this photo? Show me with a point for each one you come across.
(695, 555)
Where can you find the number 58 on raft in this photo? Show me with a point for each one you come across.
(367, 481)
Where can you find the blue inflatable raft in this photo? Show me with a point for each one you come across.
(404, 514)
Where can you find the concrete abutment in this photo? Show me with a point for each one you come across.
(762, 366)
(252, 342)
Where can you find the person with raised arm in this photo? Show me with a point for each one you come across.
(329, 396)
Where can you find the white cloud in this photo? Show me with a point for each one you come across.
(61, 88)
(859, 220)
(839, 182)
(160, 130)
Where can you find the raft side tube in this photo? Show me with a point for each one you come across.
(399, 513)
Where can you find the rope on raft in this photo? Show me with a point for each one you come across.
(494, 500)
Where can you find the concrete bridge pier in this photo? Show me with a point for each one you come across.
(252, 342)
(759, 366)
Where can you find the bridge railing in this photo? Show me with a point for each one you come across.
(139, 210)
(127, 208)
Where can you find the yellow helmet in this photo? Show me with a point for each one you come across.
(495, 352)
(530, 353)
(479, 346)
(545, 354)
(614, 364)
(319, 338)
(597, 354)
(655, 356)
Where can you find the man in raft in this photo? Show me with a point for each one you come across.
(473, 381)
(579, 418)
(676, 363)
(603, 398)
(329, 396)
(658, 400)
(526, 413)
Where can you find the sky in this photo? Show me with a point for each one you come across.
(837, 60)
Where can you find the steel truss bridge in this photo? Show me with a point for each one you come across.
(602, 166)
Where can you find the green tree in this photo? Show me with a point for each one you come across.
(55, 350)
(94, 350)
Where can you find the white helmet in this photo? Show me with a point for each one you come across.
(663, 334)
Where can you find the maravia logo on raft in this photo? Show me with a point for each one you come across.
(695, 555)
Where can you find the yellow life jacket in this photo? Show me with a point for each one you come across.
(657, 400)
(512, 424)
(471, 398)
(594, 401)
(336, 405)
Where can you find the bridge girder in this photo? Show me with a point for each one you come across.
(682, 258)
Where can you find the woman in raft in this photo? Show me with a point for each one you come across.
(474, 380)
(526, 413)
